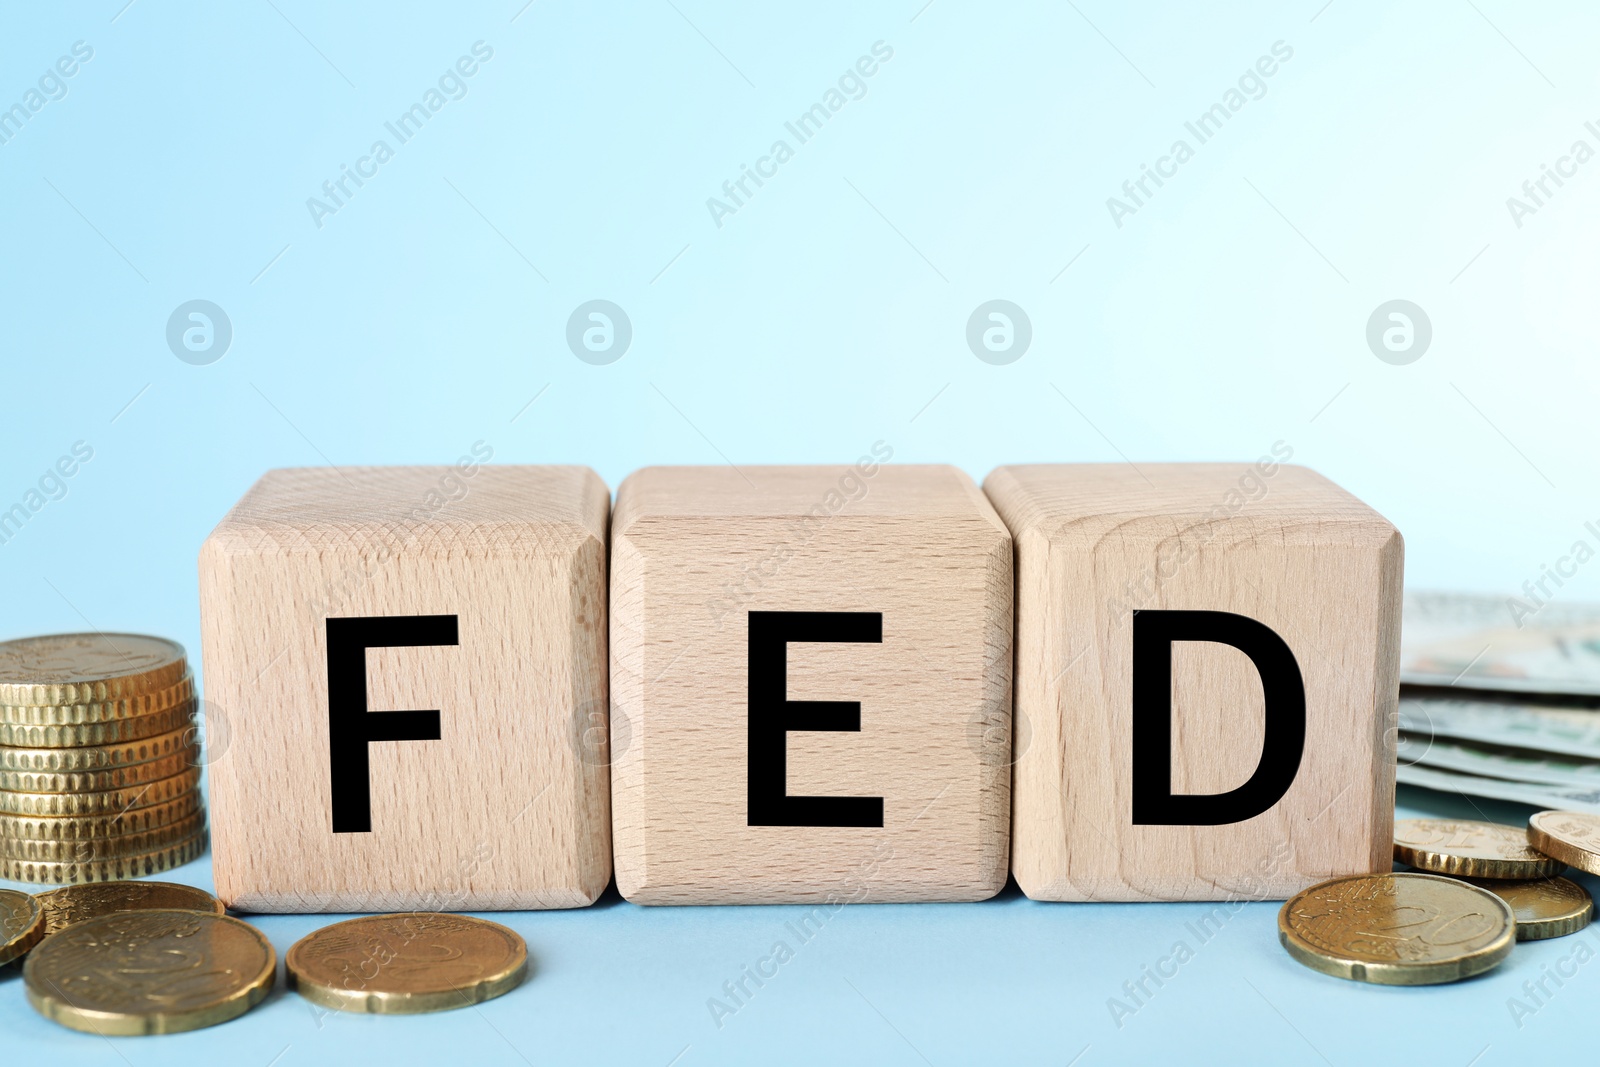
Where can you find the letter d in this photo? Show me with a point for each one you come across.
(1284, 734)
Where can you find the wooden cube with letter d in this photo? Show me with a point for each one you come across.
(811, 677)
(405, 669)
(1207, 665)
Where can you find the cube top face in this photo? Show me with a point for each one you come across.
(1101, 553)
(506, 805)
(1242, 499)
(901, 493)
(468, 507)
(926, 566)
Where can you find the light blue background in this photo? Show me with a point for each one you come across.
(827, 314)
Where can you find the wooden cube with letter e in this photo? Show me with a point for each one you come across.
(410, 664)
(811, 678)
(1207, 671)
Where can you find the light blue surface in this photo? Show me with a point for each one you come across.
(828, 313)
(1005, 981)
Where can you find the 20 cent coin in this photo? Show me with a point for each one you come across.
(1397, 929)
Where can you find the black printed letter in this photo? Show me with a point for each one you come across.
(772, 715)
(1284, 734)
(351, 727)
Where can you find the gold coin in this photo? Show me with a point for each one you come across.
(150, 972)
(22, 924)
(110, 869)
(74, 904)
(110, 802)
(407, 963)
(98, 757)
(1545, 907)
(129, 707)
(93, 827)
(1573, 837)
(87, 668)
(126, 776)
(1470, 849)
(1397, 929)
(102, 849)
(109, 732)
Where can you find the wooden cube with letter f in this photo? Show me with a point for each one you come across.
(406, 671)
(1207, 673)
(811, 676)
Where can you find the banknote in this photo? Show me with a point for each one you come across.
(1523, 644)
(1498, 761)
(1515, 724)
(1563, 798)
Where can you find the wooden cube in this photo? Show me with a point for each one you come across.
(811, 683)
(411, 666)
(1189, 771)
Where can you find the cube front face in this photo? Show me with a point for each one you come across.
(696, 551)
(509, 807)
(1286, 549)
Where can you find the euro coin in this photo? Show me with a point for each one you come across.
(1397, 929)
(1570, 836)
(1470, 849)
(1545, 907)
(74, 904)
(129, 707)
(99, 757)
(22, 924)
(92, 827)
(407, 963)
(64, 669)
(107, 732)
(99, 781)
(110, 802)
(150, 972)
(101, 849)
(109, 869)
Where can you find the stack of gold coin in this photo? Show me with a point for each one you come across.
(99, 761)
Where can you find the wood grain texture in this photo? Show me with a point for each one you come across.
(694, 550)
(510, 808)
(1279, 544)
